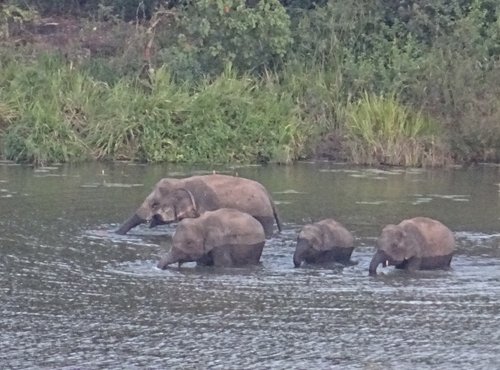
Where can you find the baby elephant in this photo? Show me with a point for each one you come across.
(225, 237)
(323, 241)
(415, 244)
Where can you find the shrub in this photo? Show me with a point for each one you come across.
(207, 35)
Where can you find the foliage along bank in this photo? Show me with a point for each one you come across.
(405, 83)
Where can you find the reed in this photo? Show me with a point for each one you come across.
(380, 130)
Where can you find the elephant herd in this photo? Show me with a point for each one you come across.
(225, 221)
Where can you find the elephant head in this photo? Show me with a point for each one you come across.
(176, 206)
(161, 208)
(323, 242)
(396, 246)
(309, 244)
(150, 206)
(188, 244)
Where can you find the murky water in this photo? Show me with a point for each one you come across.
(73, 295)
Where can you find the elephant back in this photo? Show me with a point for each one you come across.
(227, 226)
(243, 194)
(335, 234)
(439, 240)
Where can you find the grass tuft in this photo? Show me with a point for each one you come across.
(380, 130)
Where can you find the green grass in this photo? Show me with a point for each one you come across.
(380, 130)
(65, 115)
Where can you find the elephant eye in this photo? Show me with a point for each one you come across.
(155, 205)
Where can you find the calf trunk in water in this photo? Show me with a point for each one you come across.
(165, 261)
(378, 258)
(300, 250)
(133, 221)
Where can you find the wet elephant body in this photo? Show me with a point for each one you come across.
(175, 199)
(323, 242)
(224, 237)
(419, 243)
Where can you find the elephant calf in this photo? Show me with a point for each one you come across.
(323, 241)
(225, 237)
(415, 244)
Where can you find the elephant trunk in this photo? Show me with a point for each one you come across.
(155, 221)
(165, 261)
(133, 221)
(379, 257)
(300, 252)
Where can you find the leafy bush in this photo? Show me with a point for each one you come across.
(207, 35)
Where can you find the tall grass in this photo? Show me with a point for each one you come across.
(138, 122)
(241, 119)
(65, 115)
(380, 130)
(52, 102)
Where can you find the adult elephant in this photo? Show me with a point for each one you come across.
(225, 237)
(174, 199)
(322, 242)
(419, 243)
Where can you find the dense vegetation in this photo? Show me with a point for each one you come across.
(395, 82)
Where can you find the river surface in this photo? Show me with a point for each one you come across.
(74, 295)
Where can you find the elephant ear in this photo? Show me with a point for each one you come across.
(165, 186)
(392, 241)
(184, 204)
(413, 240)
(313, 233)
(188, 238)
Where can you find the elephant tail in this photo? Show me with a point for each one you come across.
(275, 211)
(276, 216)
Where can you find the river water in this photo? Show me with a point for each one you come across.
(73, 295)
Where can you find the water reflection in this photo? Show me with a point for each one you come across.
(76, 295)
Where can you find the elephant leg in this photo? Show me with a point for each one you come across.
(222, 256)
(342, 255)
(412, 264)
(237, 255)
(247, 254)
(205, 260)
(436, 262)
(402, 266)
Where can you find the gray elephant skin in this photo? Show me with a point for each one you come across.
(419, 243)
(175, 199)
(322, 242)
(225, 237)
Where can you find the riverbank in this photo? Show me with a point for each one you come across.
(73, 89)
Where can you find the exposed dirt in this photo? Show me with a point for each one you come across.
(68, 35)
(330, 147)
